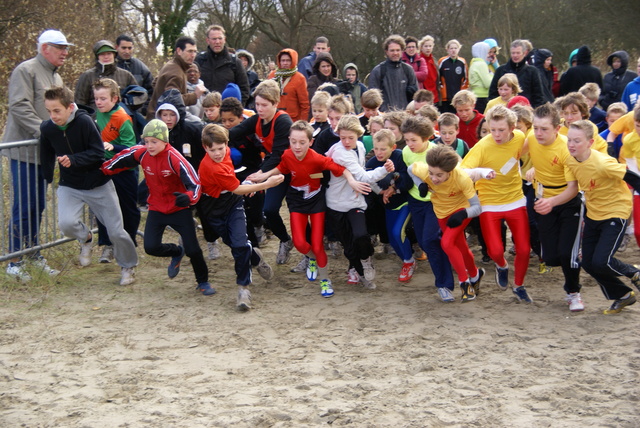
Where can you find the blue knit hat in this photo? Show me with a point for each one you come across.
(232, 90)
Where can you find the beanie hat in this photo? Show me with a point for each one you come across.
(156, 129)
(232, 90)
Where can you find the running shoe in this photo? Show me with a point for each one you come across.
(446, 295)
(406, 273)
(243, 302)
(174, 265)
(284, 252)
(312, 270)
(521, 294)
(369, 270)
(619, 304)
(575, 302)
(326, 290)
(476, 284)
(468, 292)
(502, 277)
(107, 254)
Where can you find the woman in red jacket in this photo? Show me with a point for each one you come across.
(294, 97)
(431, 82)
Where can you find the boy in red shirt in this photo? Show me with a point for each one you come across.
(173, 187)
(306, 198)
(222, 206)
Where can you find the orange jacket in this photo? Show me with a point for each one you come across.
(294, 98)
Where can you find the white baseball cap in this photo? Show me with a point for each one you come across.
(53, 37)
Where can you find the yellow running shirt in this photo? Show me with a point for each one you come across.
(550, 163)
(504, 159)
(606, 193)
(449, 196)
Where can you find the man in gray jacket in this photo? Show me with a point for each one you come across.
(394, 78)
(27, 85)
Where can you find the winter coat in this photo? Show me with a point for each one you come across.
(294, 98)
(27, 84)
(173, 75)
(583, 72)
(614, 82)
(317, 78)
(397, 81)
(419, 65)
(218, 69)
(546, 76)
(479, 73)
(353, 90)
(528, 79)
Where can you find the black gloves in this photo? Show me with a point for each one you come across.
(457, 218)
(182, 199)
(423, 189)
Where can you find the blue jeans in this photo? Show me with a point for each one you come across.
(29, 191)
(428, 231)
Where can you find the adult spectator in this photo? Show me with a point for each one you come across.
(542, 60)
(248, 61)
(105, 53)
(305, 66)
(294, 98)
(616, 80)
(126, 61)
(431, 82)
(631, 92)
(583, 72)
(394, 78)
(325, 70)
(218, 66)
(528, 76)
(173, 75)
(412, 56)
(27, 85)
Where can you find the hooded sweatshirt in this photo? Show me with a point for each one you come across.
(294, 98)
(616, 81)
(479, 74)
(353, 90)
(185, 136)
(583, 72)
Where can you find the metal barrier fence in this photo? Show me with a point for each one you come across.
(48, 234)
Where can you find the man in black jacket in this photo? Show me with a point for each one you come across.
(528, 76)
(126, 61)
(218, 67)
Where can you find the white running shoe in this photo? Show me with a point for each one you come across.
(85, 253)
(284, 252)
(128, 276)
(214, 250)
(353, 277)
(243, 302)
(41, 263)
(369, 270)
(18, 271)
(575, 302)
(446, 295)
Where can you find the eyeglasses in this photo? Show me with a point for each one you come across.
(59, 47)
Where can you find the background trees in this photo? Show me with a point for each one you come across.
(355, 28)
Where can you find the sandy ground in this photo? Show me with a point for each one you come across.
(84, 352)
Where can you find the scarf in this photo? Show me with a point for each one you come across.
(282, 74)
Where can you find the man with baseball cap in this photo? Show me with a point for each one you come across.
(105, 53)
(27, 85)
